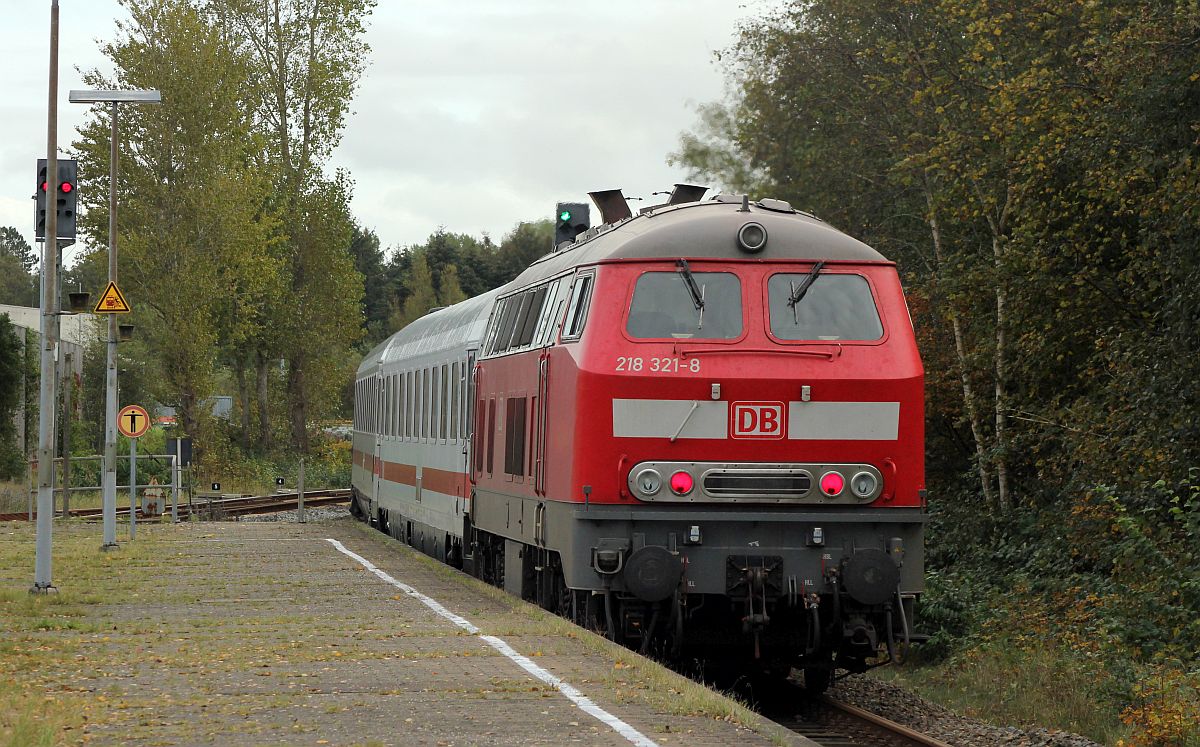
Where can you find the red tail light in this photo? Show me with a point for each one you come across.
(832, 483)
(681, 483)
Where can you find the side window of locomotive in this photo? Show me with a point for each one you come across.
(577, 307)
(666, 306)
(556, 299)
(835, 307)
(504, 320)
(523, 334)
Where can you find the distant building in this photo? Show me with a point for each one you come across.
(74, 331)
(221, 407)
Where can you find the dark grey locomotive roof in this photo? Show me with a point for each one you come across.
(704, 230)
(692, 230)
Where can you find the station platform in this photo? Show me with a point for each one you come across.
(332, 633)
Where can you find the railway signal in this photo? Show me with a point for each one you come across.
(65, 198)
(570, 220)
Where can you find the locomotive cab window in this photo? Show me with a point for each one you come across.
(577, 307)
(833, 307)
(686, 304)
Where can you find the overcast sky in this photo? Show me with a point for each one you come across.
(472, 115)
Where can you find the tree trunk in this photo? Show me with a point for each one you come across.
(1001, 456)
(243, 388)
(264, 404)
(188, 417)
(998, 227)
(298, 405)
(960, 349)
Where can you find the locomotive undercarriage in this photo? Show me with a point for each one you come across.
(846, 605)
(843, 605)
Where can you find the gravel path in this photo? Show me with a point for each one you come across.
(907, 708)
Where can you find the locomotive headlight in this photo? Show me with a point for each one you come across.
(752, 237)
(864, 484)
(832, 483)
(681, 483)
(649, 481)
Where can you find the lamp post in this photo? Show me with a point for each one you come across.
(109, 481)
(42, 582)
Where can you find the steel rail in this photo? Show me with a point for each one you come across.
(915, 737)
(231, 506)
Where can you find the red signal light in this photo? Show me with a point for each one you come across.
(45, 186)
(66, 187)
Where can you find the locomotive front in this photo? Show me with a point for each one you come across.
(749, 422)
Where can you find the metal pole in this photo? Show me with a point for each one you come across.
(132, 488)
(300, 494)
(109, 482)
(45, 501)
(68, 386)
(175, 485)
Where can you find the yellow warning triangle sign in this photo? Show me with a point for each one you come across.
(111, 301)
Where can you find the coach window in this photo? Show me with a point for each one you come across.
(435, 413)
(577, 307)
(420, 407)
(431, 398)
(455, 397)
(834, 307)
(443, 411)
(686, 304)
(402, 425)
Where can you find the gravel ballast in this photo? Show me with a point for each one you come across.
(905, 707)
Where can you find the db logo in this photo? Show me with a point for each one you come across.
(760, 420)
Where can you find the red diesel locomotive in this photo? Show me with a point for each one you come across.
(699, 429)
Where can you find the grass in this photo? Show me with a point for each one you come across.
(45, 634)
(1007, 682)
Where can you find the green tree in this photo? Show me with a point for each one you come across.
(12, 461)
(19, 282)
(368, 261)
(308, 56)
(193, 231)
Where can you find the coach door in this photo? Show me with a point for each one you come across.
(377, 457)
(467, 425)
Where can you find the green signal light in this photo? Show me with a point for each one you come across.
(565, 215)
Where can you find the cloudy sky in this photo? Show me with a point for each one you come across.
(472, 115)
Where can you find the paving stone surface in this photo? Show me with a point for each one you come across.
(264, 633)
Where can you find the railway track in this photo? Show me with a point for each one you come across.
(832, 723)
(224, 507)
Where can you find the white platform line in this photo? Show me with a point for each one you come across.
(579, 699)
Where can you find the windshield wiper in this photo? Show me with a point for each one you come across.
(798, 293)
(696, 291)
